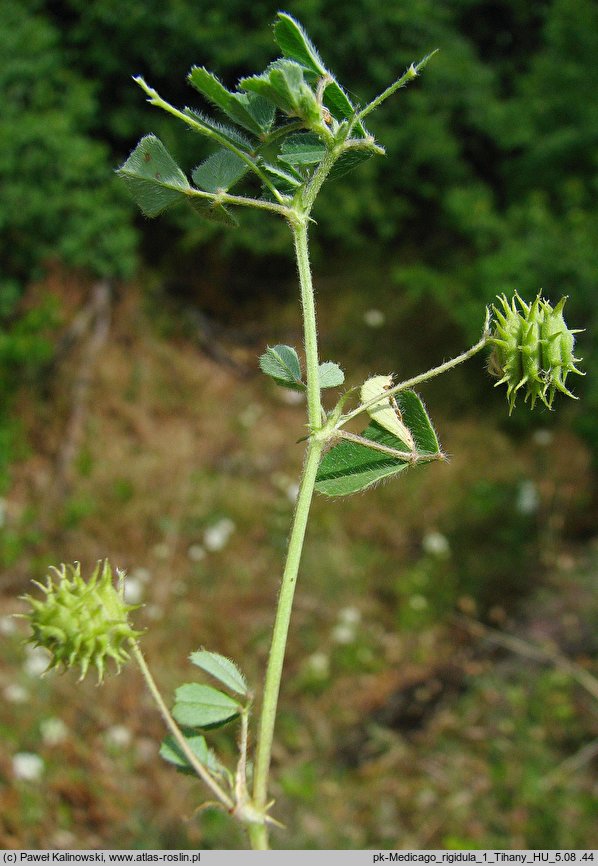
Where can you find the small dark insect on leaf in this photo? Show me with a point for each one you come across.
(147, 157)
(158, 176)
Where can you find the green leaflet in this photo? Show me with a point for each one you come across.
(215, 212)
(283, 83)
(330, 375)
(153, 178)
(248, 112)
(302, 149)
(221, 170)
(171, 752)
(262, 110)
(348, 161)
(199, 706)
(230, 133)
(222, 669)
(350, 466)
(295, 44)
(282, 364)
(284, 180)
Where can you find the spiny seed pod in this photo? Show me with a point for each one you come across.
(82, 622)
(533, 349)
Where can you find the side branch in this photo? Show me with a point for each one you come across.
(411, 73)
(174, 729)
(422, 377)
(154, 98)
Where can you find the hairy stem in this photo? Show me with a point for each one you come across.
(422, 377)
(258, 833)
(279, 635)
(411, 73)
(314, 406)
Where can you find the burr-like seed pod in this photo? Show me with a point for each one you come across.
(533, 349)
(82, 622)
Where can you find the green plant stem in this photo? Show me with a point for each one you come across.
(314, 405)
(258, 833)
(422, 377)
(176, 732)
(411, 73)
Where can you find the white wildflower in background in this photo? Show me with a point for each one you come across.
(118, 736)
(343, 634)
(217, 535)
(291, 398)
(349, 615)
(292, 491)
(37, 659)
(143, 575)
(374, 318)
(8, 625)
(345, 631)
(436, 544)
(15, 693)
(196, 552)
(27, 767)
(53, 731)
(528, 498)
(318, 665)
(133, 590)
(543, 437)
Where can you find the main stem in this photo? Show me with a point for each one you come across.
(258, 833)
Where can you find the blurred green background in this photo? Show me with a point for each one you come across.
(441, 687)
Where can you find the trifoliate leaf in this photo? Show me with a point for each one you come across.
(283, 83)
(295, 44)
(199, 706)
(153, 178)
(282, 364)
(330, 375)
(222, 669)
(352, 466)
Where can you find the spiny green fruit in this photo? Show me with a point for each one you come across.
(533, 349)
(82, 622)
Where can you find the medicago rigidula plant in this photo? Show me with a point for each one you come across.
(277, 138)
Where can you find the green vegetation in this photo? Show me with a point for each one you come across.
(488, 186)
